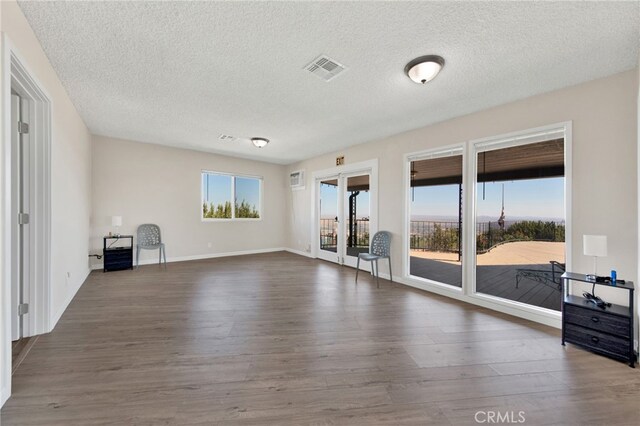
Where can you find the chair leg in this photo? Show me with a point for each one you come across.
(377, 274)
(390, 274)
(137, 257)
(160, 256)
(357, 268)
(164, 255)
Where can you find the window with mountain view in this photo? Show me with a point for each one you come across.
(435, 222)
(230, 197)
(520, 223)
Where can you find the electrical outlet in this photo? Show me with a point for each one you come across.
(209, 245)
(308, 249)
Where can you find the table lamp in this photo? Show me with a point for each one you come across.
(596, 246)
(116, 221)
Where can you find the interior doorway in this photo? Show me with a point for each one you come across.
(25, 211)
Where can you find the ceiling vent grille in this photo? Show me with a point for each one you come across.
(325, 68)
(226, 138)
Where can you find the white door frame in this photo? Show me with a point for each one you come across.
(370, 167)
(17, 75)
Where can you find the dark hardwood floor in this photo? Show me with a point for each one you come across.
(281, 339)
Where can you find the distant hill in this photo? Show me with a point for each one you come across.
(484, 218)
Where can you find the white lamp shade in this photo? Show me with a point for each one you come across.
(595, 245)
(116, 220)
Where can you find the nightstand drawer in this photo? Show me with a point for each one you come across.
(596, 340)
(119, 254)
(600, 321)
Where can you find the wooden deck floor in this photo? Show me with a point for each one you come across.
(281, 339)
(495, 280)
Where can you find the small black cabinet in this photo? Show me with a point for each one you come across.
(608, 332)
(120, 257)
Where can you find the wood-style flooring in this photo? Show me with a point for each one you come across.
(285, 340)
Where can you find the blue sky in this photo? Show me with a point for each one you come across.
(542, 198)
(217, 189)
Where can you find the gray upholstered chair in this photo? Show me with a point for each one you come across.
(380, 248)
(149, 238)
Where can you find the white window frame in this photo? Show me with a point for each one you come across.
(233, 217)
(469, 182)
(430, 154)
(524, 137)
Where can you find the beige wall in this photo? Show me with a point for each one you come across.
(147, 183)
(604, 173)
(70, 168)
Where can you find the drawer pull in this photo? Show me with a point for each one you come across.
(594, 339)
(595, 319)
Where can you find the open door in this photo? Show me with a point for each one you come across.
(20, 230)
(329, 217)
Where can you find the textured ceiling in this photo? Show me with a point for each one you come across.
(180, 73)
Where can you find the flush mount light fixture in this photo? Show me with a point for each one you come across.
(259, 142)
(424, 69)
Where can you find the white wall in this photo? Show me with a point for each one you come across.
(604, 165)
(638, 218)
(5, 295)
(147, 183)
(70, 169)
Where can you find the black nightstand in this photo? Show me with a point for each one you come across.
(608, 331)
(117, 258)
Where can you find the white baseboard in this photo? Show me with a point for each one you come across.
(4, 395)
(299, 252)
(98, 266)
(54, 320)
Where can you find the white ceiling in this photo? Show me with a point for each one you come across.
(180, 74)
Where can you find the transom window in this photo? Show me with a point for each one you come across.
(229, 197)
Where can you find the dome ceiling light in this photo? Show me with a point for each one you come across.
(259, 142)
(425, 68)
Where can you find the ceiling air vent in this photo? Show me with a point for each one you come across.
(325, 68)
(296, 179)
(226, 138)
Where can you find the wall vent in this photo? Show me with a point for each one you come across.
(325, 68)
(226, 138)
(296, 179)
